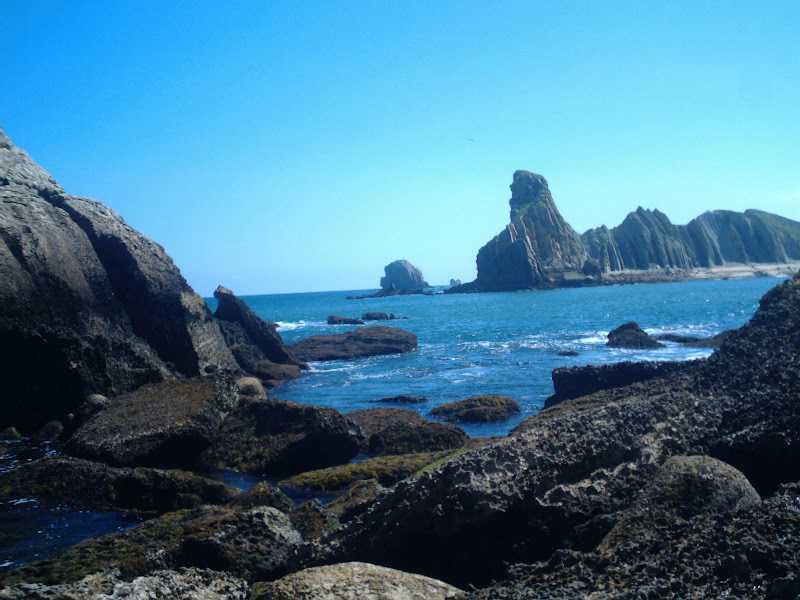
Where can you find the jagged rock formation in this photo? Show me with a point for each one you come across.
(538, 249)
(402, 275)
(90, 302)
(568, 473)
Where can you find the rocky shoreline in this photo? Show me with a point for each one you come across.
(646, 480)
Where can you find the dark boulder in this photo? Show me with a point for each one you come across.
(337, 320)
(164, 424)
(363, 342)
(568, 353)
(630, 335)
(402, 275)
(253, 544)
(478, 409)
(373, 420)
(592, 268)
(574, 382)
(401, 399)
(88, 484)
(376, 316)
(688, 340)
(276, 438)
(406, 438)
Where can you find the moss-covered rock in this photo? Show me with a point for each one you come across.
(165, 424)
(387, 470)
(312, 520)
(357, 498)
(278, 438)
(262, 494)
(252, 544)
(478, 409)
(405, 438)
(89, 484)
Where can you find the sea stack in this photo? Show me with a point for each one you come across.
(404, 276)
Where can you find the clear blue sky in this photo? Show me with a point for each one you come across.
(293, 146)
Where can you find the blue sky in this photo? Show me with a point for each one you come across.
(297, 146)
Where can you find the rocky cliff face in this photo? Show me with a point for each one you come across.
(536, 248)
(87, 304)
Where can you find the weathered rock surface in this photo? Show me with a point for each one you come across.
(164, 424)
(402, 275)
(355, 581)
(574, 382)
(277, 438)
(312, 520)
(184, 584)
(630, 335)
(365, 341)
(565, 476)
(252, 544)
(88, 300)
(406, 438)
(538, 249)
(376, 316)
(356, 499)
(255, 343)
(401, 399)
(337, 320)
(478, 409)
(373, 420)
(89, 484)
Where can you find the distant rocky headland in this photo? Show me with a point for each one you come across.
(539, 249)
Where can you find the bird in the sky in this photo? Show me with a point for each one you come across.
(470, 140)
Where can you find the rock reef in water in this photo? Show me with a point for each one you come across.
(363, 342)
(630, 335)
(538, 249)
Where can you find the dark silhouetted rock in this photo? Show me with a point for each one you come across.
(337, 320)
(363, 342)
(276, 437)
(88, 484)
(568, 353)
(375, 316)
(478, 409)
(688, 340)
(401, 399)
(402, 275)
(164, 424)
(49, 432)
(253, 544)
(574, 382)
(591, 268)
(630, 335)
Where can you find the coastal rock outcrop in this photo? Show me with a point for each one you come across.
(403, 276)
(630, 335)
(538, 249)
(88, 300)
(478, 409)
(364, 341)
(564, 477)
(337, 320)
(165, 424)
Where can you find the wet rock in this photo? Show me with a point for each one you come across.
(478, 409)
(401, 399)
(373, 420)
(337, 320)
(688, 340)
(630, 335)
(567, 353)
(89, 484)
(406, 438)
(355, 581)
(376, 316)
(251, 544)
(574, 382)
(363, 342)
(275, 437)
(164, 424)
(402, 275)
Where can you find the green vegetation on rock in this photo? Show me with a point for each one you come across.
(478, 409)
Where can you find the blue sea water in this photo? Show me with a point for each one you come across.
(500, 343)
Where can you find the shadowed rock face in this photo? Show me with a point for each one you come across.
(88, 301)
(566, 473)
(402, 275)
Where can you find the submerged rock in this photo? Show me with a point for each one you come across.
(363, 342)
(402, 275)
(354, 581)
(478, 409)
(630, 335)
(89, 484)
(401, 399)
(278, 438)
(164, 424)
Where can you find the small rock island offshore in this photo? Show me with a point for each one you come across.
(539, 249)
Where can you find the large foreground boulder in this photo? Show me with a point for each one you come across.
(164, 424)
(90, 484)
(88, 301)
(361, 343)
(277, 438)
(567, 474)
(355, 581)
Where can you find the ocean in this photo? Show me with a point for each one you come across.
(471, 344)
